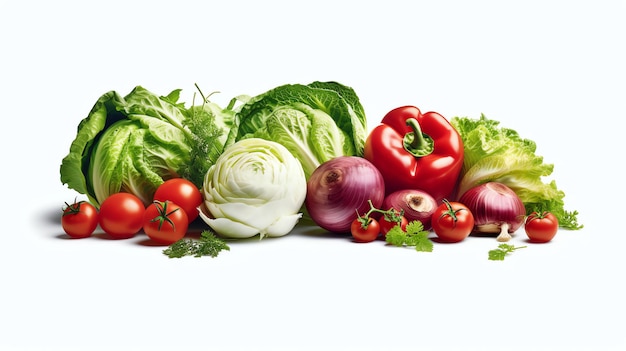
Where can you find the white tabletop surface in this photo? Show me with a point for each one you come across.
(552, 70)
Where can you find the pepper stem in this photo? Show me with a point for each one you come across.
(417, 143)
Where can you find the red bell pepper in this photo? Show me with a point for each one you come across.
(414, 150)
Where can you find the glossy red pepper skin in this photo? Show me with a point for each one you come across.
(436, 173)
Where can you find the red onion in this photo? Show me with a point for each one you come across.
(496, 209)
(417, 205)
(340, 187)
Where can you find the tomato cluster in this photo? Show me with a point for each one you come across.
(451, 221)
(366, 228)
(123, 215)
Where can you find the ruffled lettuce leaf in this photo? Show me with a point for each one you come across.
(316, 122)
(496, 154)
(134, 143)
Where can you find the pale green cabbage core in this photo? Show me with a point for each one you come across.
(256, 187)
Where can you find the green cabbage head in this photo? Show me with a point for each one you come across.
(315, 122)
(256, 186)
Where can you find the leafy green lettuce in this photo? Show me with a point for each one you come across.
(133, 143)
(315, 122)
(496, 154)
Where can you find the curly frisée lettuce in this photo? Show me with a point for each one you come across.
(495, 154)
(315, 122)
(134, 143)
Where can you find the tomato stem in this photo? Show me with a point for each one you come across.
(417, 143)
(451, 212)
(392, 215)
(72, 209)
(163, 215)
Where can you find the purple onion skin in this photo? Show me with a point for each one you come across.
(417, 205)
(494, 204)
(340, 187)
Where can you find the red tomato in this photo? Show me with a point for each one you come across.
(365, 233)
(80, 219)
(165, 222)
(121, 215)
(183, 193)
(386, 224)
(541, 227)
(452, 221)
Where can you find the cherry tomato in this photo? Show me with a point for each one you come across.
(183, 193)
(387, 223)
(121, 215)
(364, 230)
(541, 227)
(452, 221)
(80, 219)
(165, 222)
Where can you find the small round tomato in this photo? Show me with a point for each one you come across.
(365, 230)
(387, 222)
(121, 215)
(165, 222)
(183, 193)
(80, 219)
(452, 221)
(541, 227)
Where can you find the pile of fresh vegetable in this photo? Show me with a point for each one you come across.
(150, 163)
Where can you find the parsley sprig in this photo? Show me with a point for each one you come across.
(207, 245)
(502, 251)
(415, 235)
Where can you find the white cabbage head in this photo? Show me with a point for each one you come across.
(255, 187)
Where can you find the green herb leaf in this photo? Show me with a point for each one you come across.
(207, 245)
(502, 251)
(396, 236)
(421, 242)
(497, 255)
(415, 235)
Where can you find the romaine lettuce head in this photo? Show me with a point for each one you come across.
(315, 122)
(135, 143)
(495, 154)
(134, 157)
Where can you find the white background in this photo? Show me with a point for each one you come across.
(552, 70)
